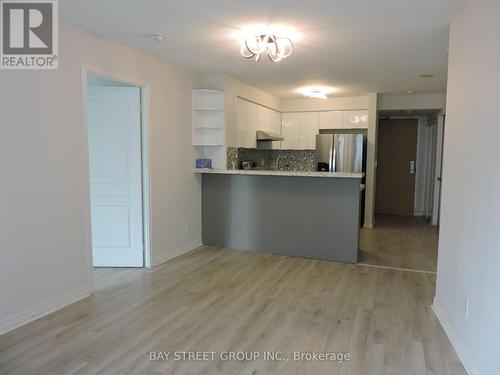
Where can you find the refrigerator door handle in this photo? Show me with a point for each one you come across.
(330, 159)
(333, 159)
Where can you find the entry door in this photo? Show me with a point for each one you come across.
(114, 122)
(396, 166)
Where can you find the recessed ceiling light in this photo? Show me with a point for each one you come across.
(316, 92)
(158, 37)
(427, 76)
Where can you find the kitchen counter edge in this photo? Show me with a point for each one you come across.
(256, 172)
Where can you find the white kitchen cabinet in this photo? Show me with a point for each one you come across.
(331, 120)
(290, 130)
(299, 130)
(241, 129)
(308, 129)
(251, 131)
(245, 130)
(355, 119)
(251, 117)
(276, 128)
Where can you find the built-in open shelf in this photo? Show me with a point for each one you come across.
(208, 126)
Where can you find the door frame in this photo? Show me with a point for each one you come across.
(438, 169)
(145, 94)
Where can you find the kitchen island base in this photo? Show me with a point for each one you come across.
(290, 215)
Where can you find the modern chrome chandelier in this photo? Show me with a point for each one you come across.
(277, 48)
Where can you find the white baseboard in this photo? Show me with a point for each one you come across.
(40, 311)
(176, 252)
(456, 341)
(368, 225)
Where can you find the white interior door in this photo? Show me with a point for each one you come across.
(114, 122)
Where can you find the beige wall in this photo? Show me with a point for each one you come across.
(414, 101)
(44, 191)
(469, 240)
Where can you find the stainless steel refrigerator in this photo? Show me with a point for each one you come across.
(340, 152)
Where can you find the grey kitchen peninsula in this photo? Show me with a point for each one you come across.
(305, 214)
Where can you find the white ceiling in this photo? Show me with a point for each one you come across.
(356, 46)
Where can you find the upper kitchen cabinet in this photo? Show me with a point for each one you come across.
(251, 117)
(276, 128)
(245, 130)
(308, 129)
(355, 119)
(290, 130)
(331, 120)
(299, 130)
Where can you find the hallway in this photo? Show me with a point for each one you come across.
(400, 242)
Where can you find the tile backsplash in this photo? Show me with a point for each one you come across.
(292, 160)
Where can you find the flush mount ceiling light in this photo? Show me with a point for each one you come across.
(316, 92)
(158, 37)
(277, 47)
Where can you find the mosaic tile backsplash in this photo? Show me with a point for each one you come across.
(282, 160)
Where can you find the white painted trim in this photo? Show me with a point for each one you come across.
(438, 170)
(146, 156)
(455, 339)
(176, 252)
(368, 225)
(40, 311)
(146, 174)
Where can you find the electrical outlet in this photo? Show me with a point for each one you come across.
(187, 226)
(467, 302)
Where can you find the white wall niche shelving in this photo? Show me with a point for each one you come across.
(208, 126)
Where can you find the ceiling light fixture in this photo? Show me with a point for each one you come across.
(276, 47)
(158, 37)
(316, 92)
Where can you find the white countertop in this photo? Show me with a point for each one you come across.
(264, 172)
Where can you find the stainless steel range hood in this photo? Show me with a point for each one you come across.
(266, 136)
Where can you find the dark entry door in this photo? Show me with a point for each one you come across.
(396, 166)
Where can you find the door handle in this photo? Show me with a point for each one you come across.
(412, 167)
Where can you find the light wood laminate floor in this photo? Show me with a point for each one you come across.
(214, 299)
(401, 242)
